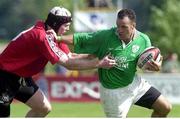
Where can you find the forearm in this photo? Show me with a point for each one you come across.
(81, 61)
(82, 64)
(68, 39)
(85, 61)
(81, 56)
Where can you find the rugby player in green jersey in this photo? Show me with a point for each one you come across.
(120, 87)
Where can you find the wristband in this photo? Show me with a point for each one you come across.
(59, 38)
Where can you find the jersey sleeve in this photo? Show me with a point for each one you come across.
(64, 47)
(51, 50)
(148, 41)
(87, 42)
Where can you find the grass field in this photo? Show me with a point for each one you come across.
(85, 110)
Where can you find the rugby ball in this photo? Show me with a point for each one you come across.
(149, 54)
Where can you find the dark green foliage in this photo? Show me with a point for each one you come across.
(165, 28)
(18, 15)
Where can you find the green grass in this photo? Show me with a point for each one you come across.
(3, 41)
(85, 110)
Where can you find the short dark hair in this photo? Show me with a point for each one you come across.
(127, 12)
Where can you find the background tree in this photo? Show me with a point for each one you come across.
(18, 15)
(143, 11)
(6, 11)
(165, 28)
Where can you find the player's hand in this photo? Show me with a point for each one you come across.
(51, 31)
(155, 66)
(106, 62)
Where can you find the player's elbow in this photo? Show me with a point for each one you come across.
(63, 60)
(67, 63)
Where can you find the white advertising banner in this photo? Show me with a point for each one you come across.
(93, 20)
(87, 88)
(167, 84)
(80, 89)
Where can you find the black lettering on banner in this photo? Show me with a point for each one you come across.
(62, 89)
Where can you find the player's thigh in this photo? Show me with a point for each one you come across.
(31, 95)
(116, 102)
(162, 104)
(9, 86)
(149, 98)
(39, 101)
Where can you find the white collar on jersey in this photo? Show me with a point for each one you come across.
(134, 36)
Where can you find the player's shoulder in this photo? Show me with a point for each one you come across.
(142, 35)
(39, 29)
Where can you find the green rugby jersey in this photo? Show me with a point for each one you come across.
(103, 42)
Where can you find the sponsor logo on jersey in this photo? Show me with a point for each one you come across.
(121, 62)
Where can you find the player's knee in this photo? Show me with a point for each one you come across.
(43, 110)
(46, 109)
(167, 108)
(164, 110)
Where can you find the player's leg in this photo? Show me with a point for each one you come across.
(116, 102)
(152, 99)
(39, 104)
(161, 107)
(32, 96)
(9, 86)
(4, 99)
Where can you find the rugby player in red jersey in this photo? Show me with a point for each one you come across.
(29, 52)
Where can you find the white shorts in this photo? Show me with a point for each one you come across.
(117, 102)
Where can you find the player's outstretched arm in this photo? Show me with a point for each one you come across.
(81, 61)
(84, 61)
(68, 39)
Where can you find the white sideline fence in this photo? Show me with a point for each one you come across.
(167, 83)
(85, 89)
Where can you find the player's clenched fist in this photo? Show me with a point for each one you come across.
(107, 63)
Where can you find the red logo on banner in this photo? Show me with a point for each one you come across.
(73, 89)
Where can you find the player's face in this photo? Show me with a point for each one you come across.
(63, 28)
(125, 28)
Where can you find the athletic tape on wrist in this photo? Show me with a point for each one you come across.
(59, 38)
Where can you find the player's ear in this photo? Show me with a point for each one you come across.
(134, 24)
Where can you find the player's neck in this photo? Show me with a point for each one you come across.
(132, 36)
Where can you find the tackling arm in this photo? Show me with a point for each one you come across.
(80, 61)
(85, 61)
(68, 39)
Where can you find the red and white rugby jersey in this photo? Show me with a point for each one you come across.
(29, 52)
